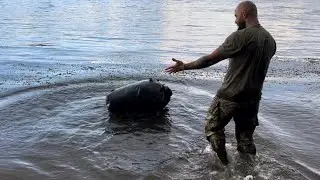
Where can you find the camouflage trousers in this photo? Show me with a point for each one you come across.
(244, 114)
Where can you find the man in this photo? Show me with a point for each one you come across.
(250, 50)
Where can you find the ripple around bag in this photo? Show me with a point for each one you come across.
(142, 96)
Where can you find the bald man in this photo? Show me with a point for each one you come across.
(249, 50)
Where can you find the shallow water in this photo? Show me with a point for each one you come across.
(66, 132)
(59, 60)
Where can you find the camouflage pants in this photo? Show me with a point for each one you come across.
(222, 111)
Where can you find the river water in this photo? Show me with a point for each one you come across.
(59, 60)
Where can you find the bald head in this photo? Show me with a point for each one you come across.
(246, 14)
(249, 8)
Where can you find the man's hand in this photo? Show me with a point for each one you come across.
(178, 66)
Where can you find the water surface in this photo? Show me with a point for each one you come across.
(59, 60)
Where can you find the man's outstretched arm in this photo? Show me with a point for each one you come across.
(202, 62)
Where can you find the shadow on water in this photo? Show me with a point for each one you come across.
(150, 122)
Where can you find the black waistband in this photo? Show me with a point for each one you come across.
(241, 97)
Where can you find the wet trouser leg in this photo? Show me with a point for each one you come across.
(246, 120)
(220, 113)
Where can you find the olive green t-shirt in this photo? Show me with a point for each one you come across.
(249, 51)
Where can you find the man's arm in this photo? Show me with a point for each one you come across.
(232, 45)
(204, 61)
(230, 48)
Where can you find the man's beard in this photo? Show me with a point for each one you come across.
(241, 26)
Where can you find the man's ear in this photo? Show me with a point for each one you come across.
(244, 14)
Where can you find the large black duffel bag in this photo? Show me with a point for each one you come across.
(142, 96)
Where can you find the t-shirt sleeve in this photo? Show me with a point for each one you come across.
(232, 45)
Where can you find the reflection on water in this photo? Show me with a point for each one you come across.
(141, 31)
(158, 122)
